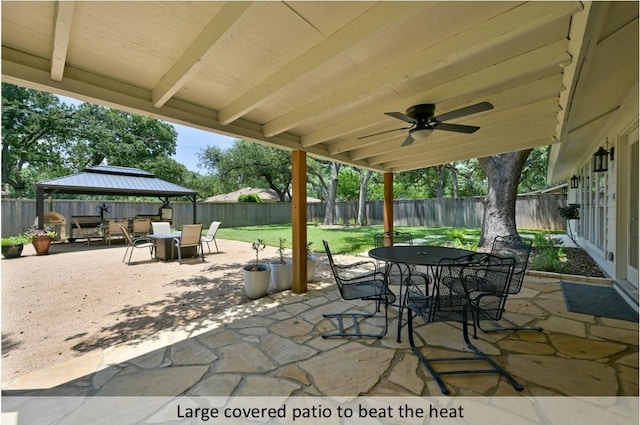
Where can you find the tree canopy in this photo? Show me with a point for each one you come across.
(44, 138)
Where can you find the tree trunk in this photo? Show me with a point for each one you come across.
(329, 213)
(365, 176)
(503, 175)
(440, 185)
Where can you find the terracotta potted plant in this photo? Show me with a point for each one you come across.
(256, 276)
(312, 262)
(12, 246)
(41, 239)
(282, 270)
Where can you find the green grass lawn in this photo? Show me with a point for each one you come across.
(355, 240)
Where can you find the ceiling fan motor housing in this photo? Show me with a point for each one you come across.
(423, 114)
(425, 110)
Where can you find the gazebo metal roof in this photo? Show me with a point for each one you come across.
(111, 180)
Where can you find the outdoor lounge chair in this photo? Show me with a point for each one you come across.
(133, 243)
(467, 289)
(519, 249)
(81, 232)
(359, 281)
(191, 237)
(211, 235)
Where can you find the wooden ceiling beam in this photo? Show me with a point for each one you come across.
(62, 34)
(192, 59)
(368, 23)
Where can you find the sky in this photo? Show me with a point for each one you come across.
(190, 141)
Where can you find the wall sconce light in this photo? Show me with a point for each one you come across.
(601, 158)
(575, 181)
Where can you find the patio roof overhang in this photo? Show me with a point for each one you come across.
(318, 76)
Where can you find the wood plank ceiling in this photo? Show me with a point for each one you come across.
(313, 76)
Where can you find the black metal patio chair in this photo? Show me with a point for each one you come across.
(519, 249)
(359, 281)
(396, 274)
(466, 290)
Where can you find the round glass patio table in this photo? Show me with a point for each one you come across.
(415, 255)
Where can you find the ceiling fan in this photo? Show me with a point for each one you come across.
(423, 122)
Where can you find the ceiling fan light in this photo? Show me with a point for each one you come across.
(422, 134)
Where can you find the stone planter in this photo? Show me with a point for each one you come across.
(12, 251)
(41, 244)
(256, 280)
(282, 275)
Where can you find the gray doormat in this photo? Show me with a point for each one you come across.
(602, 301)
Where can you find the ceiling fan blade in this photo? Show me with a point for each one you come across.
(402, 117)
(383, 132)
(468, 110)
(407, 141)
(456, 127)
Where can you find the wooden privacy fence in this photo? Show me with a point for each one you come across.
(532, 212)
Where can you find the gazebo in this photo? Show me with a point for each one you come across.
(111, 180)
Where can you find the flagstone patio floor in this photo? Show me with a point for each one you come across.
(273, 346)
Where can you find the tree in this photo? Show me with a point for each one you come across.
(36, 128)
(114, 137)
(503, 175)
(44, 138)
(250, 164)
(365, 176)
(534, 173)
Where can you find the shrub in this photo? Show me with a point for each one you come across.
(551, 256)
(250, 197)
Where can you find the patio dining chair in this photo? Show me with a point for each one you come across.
(160, 227)
(190, 237)
(397, 273)
(133, 243)
(359, 281)
(114, 228)
(211, 235)
(466, 290)
(141, 226)
(519, 249)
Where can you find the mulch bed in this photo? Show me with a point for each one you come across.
(578, 263)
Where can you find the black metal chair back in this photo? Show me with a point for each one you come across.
(359, 281)
(517, 248)
(467, 289)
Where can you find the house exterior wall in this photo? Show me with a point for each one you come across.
(605, 200)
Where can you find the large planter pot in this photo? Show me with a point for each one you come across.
(282, 275)
(312, 262)
(41, 245)
(12, 251)
(256, 280)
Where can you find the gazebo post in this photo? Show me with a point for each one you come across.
(40, 206)
(193, 200)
